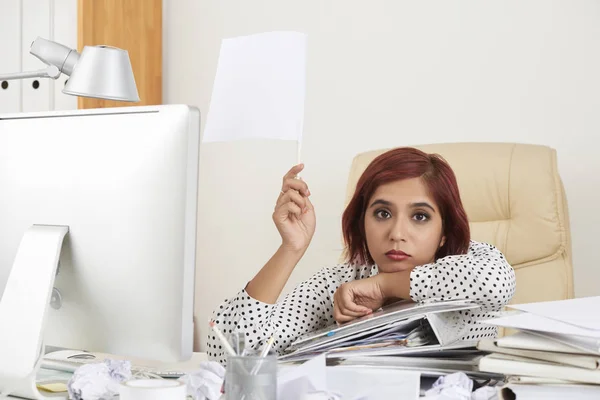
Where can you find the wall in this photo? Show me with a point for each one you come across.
(22, 21)
(382, 74)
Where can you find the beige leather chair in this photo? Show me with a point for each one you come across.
(515, 200)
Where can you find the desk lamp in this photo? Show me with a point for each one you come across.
(101, 72)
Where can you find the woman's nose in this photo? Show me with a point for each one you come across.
(398, 232)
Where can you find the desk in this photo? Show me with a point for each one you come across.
(46, 375)
(352, 374)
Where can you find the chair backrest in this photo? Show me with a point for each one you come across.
(515, 200)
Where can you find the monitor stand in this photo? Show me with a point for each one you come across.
(23, 309)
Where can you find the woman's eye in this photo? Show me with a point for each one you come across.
(421, 217)
(382, 214)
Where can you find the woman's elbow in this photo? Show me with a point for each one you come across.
(504, 288)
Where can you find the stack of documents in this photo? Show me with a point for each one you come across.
(557, 343)
(404, 335)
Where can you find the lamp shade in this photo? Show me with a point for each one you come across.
(103, 72)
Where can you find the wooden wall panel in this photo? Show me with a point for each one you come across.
(133, 25)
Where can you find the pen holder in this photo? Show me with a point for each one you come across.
(251, 377)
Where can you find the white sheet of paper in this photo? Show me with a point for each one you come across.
(581, 312)
(539, 323)
(352, 383)
(259, 88)
(293, 382)
(529, 341)
(49, 375)
(362, 383)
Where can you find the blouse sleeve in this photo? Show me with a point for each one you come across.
(306, 308)
(483, 275)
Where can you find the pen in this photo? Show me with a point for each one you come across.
(268, 346)
(225, 343)
(222, 338)
(264, 353)
(238, 342)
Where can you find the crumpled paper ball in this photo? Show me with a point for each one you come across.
(98, 381)
(205, 383)
(458, 386)
(454, 386)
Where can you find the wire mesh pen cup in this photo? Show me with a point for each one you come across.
(251, 377)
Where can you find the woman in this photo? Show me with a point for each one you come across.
(407, 237)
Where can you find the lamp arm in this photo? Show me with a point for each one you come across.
(50, 72)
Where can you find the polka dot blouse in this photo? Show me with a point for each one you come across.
(483, 275)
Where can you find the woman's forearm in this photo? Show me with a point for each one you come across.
(267, 285)
(395, 285)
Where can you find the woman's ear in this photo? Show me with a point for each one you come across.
(443, 241)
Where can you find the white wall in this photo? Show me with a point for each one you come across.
(21, 22)
(382, 74)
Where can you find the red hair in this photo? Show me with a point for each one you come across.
(406, 163)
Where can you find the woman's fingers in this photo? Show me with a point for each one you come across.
(342, 314)
(340, 317)
(347, 296)
(290, 181)
(293, 172)
(309, 205)
(292, 196)
(345, 309)
(295, 184)
(288, 208)
(354, 310)
(349, 313)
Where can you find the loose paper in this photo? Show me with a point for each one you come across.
(294, 382)
(582, 312)
(360, 383)
(347, 382)
(535, 322)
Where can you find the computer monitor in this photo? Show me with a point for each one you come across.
(124, 181)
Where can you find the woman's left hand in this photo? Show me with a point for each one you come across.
(356, 299)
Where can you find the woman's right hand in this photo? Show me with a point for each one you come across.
(294, 214)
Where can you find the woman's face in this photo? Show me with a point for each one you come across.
(403, 226)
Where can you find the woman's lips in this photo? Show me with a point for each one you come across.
(397, 255)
